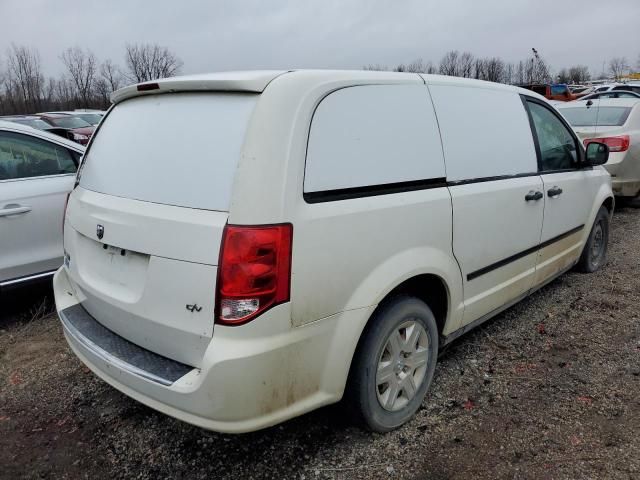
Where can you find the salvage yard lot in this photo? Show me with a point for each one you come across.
(549, 389)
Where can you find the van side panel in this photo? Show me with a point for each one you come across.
(491, 167)
(377, 208)
(349, 254)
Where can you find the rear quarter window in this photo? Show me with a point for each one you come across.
(371, 136)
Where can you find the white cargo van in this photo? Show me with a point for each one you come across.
(242, 248)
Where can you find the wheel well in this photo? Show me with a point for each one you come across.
(608, 203)
(432, 290)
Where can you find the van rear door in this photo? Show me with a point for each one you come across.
(144, 226)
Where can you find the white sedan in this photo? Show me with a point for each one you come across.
(615, 122)
(37, 172)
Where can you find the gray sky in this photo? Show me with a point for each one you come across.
(248, 34)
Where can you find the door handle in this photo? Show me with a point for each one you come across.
(14, 209)
(554, 191)
(533, 196)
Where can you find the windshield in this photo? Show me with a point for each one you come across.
(92, 118)
(593, 117)
(559, 89)
(146, 150)
(68, 122)
(33, 122)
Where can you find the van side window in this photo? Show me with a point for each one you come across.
(373, 136)
(558, 150)
(23, 156)
(485, 132)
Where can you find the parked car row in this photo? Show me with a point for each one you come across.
(616, 123)
(77, 126)
(561, 92)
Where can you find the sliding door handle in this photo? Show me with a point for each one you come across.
(554, 191)
(533, 196)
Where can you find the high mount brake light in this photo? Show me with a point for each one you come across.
(144, 87)
(254, 271)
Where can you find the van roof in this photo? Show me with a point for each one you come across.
(256, 81)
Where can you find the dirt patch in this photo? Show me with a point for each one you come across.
(549, 389)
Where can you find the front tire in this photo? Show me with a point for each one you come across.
(594, 254)
(394, 364)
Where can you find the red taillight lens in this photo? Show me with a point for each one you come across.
(616, 144)
(254, 271)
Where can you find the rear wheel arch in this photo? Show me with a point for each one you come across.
(429, 288)
(609, 204)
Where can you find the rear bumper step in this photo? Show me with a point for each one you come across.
(116, 350)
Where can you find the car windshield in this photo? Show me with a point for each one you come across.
(92, 118)
(592, 117)
(32, 122)
(558, 89)
(68, 122)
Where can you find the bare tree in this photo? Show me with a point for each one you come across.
(579, 74)
(417, 66)
(149, 62)
(24, 80)
(618, 66)
(494, 70)
(103, 91)
(465, 65)
(449, 64)
(111, 74)
(82, 69)
(509, 73)
(376, 67)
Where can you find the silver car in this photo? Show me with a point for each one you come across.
(37, 172)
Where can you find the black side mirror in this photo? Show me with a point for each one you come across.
(597, 153)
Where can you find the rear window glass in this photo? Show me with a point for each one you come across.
(176, 149)
(559, 89)
(68, 122)
(592, 117)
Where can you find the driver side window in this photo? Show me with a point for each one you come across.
(558, 149)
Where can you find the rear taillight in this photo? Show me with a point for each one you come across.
(254, 271)
(616, 144)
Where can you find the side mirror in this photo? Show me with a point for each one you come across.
(597, 153)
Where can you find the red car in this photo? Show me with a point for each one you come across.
(77, 129)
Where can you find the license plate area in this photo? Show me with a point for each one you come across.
(110, 270)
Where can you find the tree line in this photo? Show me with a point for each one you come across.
(533, 69)
(85, 83)
(88, 82)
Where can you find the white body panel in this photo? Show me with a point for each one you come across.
(480, 240)
(31, 239)
(364, 189)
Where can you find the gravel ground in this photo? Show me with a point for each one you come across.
(549, 389)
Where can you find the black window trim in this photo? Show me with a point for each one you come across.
(579, 148)
(373, 190)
